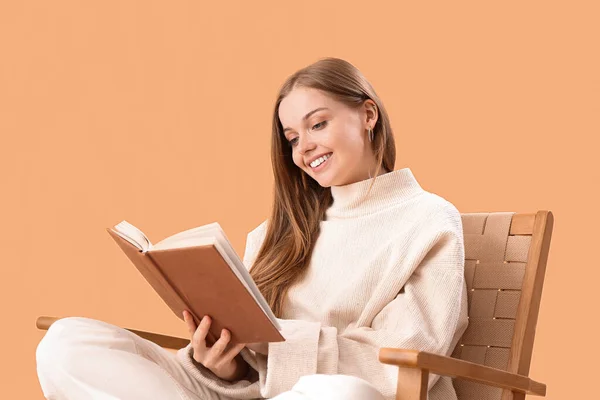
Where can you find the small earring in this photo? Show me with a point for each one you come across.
(370, 135)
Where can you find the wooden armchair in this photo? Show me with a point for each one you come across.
(505, 263)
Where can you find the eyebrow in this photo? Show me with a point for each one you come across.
(307, 116)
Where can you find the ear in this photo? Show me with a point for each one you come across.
(371, 113)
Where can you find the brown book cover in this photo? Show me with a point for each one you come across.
(199, 279)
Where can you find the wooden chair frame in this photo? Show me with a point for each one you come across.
(414, 366)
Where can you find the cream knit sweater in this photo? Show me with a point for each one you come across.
(385, 272)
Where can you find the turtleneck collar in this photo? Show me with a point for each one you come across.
(391, 188)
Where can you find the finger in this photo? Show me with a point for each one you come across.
(233, 352)
(217, 349)
(189, 321)
(199, 337)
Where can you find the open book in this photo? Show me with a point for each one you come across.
(198, 270)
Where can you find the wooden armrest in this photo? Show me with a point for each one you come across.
(455, 368)
(169, 342)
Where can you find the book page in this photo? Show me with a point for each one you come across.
(133, 235)
(188, 237)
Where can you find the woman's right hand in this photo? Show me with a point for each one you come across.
(225, 364)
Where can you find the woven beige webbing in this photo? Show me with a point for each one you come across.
(494, 269)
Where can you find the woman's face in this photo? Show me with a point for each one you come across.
(335, 131)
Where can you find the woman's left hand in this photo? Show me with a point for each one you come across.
(261, 348)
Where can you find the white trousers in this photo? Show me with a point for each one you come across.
(83, 358)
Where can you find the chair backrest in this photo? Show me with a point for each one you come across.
(505, 263)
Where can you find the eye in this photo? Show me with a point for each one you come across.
(294, 141)
(320, 123)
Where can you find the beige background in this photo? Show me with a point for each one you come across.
(159, 113)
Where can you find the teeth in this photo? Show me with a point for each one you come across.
(320, 160)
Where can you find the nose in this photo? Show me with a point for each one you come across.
(305, 143)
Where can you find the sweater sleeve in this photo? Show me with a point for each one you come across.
(429, 314)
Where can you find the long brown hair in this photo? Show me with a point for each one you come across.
(299, 202)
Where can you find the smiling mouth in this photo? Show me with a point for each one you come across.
(323, 164)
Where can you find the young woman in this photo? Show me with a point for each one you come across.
(354, 256)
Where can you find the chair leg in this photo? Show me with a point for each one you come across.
(412, 384)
